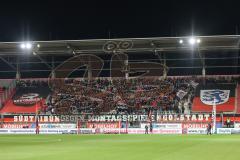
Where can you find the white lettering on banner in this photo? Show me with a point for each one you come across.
(31, 118)
(182, 118)
(135, 117)
(194, 125)
(157, 118)
(16, 126)
(15, 118)
(200, 117)
(114, 118)
(165, 118)
(176, 117)
(24, 118)
(170, 117)
(103, 125)
(51, 119)
(194, 117)
(124, 118)
(20, 118)
(26, 101)
(207, 117)
(188, 117)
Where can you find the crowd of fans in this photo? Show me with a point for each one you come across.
(118, 96)
(121, 96)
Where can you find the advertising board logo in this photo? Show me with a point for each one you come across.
(221, 96)
(27, 99)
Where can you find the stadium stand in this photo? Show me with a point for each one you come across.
(27, 92)
(7, 89)
(117, 96)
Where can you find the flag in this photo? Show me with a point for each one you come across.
(181, 94)
(150, 115)
(194, 84)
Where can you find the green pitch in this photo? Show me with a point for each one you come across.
(119, 147)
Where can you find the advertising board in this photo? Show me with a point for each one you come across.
(196, 131)
(163, 125)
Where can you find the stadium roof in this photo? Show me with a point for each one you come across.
(98, 46)
(217, 54)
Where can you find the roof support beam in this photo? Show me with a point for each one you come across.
(9, 64)
(43, 61)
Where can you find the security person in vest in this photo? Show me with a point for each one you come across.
(228, 122)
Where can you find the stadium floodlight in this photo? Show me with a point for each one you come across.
(23, 46)
(192, 41)
(198, 40)
(180, 41)
(26, 45)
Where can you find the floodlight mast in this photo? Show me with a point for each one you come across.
(214, 116)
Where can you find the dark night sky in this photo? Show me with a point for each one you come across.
(42, 20)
